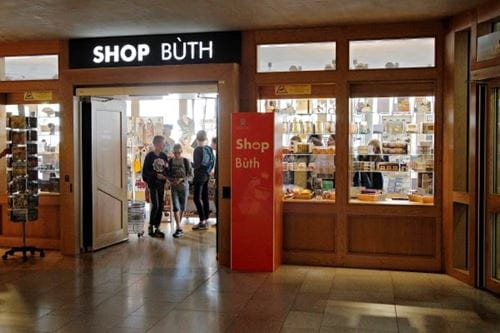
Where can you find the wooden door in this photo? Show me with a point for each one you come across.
(109, 183)
(492, 216)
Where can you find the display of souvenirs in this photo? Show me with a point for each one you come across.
(22, 175)
(395, 148)
(307, 160)
(396, 158)
(422, 104)
(403, 104)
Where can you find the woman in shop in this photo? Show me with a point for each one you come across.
(154, 173)
(371, 180)
(203, 163)
(179, 173)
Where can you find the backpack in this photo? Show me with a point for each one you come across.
(207, 162)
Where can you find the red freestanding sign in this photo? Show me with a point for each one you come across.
(255, 193)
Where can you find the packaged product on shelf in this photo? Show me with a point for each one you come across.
(427, 128)
(328, 195)
(17, 122)
(411, 128)
(403, 104)
(378, 128)
(383, 105)
(398, 148)
(302, 148)
(422, 104)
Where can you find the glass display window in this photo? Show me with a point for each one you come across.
(318, 56)
(21, 68)
(308, 158)
(48, 140)
(392, 150)
(392, 53)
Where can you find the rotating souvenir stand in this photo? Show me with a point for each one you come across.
(22, 177)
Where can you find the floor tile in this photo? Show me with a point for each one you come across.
(303, 320)
(186, 321)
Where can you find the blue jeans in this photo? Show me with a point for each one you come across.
(179, 196)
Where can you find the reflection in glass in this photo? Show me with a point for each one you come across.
(43, 67)
(296, 57)
(392, 53)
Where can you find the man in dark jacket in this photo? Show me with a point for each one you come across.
(154, 173)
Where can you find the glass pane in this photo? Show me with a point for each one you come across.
(308, 146)
(391, 53)
(392, 150)
(48, 138)
(296, 57)
(460, 235)
(496, 26)
(496, 144)
(496, 247)
(45, 67)
(461, 112)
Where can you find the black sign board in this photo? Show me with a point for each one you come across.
(155, 50)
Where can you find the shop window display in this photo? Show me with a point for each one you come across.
(48, 139)
(308, 160)
(392, 150)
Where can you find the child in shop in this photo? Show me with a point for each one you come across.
(179, 172)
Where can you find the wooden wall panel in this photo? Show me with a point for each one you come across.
(405, 236)
(311, 232)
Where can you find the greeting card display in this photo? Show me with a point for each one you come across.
(22, 163)
(22, 177)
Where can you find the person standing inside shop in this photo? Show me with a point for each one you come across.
(214, 175)
(203, 163)
(371, 180)
(154, 173)
(179, 173)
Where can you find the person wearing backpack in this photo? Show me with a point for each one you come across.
(179, 173)
(203, 163)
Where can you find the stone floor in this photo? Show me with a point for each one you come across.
(173, 285)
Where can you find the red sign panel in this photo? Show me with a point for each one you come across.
(252, 192)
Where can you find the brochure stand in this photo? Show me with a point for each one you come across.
(22, 177)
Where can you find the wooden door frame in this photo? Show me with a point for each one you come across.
(227, 78)
(492, 203)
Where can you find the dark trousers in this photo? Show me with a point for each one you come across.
(156, 198)
(200, 198)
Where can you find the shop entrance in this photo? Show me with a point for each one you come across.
(118, 126)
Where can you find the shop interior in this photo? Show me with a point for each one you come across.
(177, 117)
(176, 113)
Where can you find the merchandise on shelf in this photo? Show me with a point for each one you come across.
(308, 153)
(22, 165)
(392, 147)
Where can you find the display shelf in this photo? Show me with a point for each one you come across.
(308, 201)
(307, 154)
(292, 134)
(403, 125)
(390, 202)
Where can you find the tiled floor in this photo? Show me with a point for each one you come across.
(172, 285)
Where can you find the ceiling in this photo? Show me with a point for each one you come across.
(53, 19)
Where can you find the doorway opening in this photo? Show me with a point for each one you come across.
(118, 125)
